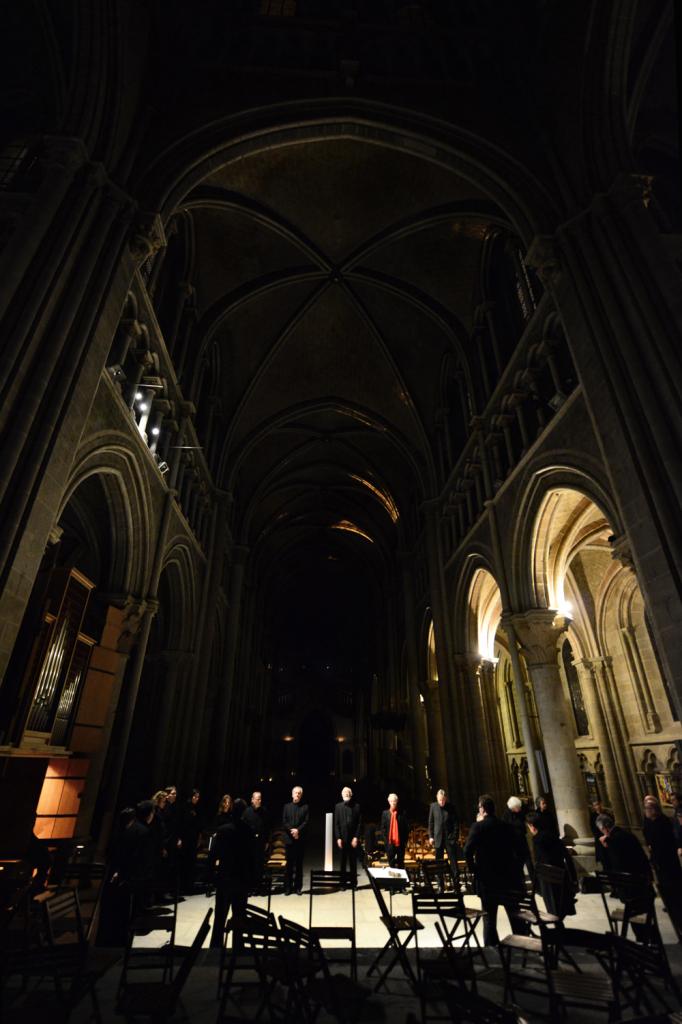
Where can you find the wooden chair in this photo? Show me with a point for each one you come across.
(316, 987)
(439, 977)
(636, 895)
(145, 958)
(577, 988)
(88, 879)
(230, 958)
(396, 926)
(256, 950)
(64, 928)
(458, 912)
(159, 1000)
(324, 883)
(638, 966)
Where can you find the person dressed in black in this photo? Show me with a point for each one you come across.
(625, 851)
(444, 829)
(543, 806)
(601, 853)
(491, 855)
(231, 865)
(131, 875)
(347, 826)
(190, 830)
(560, 898)
(295, 823)
(515, 816)
(256, 818)
(660, 837)
(396, 829)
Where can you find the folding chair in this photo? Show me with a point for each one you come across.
(312, 981)
(395, 926)
(637, 965)
(636, 895)
(440, 977)
(457, 911)
(440, 875)
(160, 958)
(159, 999)
(273, 880)
(324, 883)
(579, 988)
(256, 948)
(88, 880)
(64, 928)
(229, 959)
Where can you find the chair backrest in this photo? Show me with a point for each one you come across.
(253, 913)
(379, 896)
(427, 902)
(323, 883)
(439, 871)
(190, 958)
(63, 917)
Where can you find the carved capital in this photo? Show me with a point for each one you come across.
(633, 188)
(538, 631)
(147, 236)
(621, 551)
(55, 534)
(544, 257)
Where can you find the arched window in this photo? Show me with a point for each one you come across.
(574, 690)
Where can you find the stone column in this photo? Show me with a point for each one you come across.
(587, 671)
(415, 711)
(239, 555)
(497, 780)
(538, 635)
(434, 717)
(617, 289)
(521, 701)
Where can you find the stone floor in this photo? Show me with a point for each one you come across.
(397, 1004)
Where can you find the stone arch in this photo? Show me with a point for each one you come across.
(485, 613)
(129, 502)
(177, 170)
(481, 558)
(533, 568)
(180, 571)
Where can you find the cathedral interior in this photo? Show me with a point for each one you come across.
(340, 400)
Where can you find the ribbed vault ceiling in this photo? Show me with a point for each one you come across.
(337, 280)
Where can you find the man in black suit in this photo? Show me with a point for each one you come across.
(444, 828)
(549, 849)
(396, 828)
(491, 854)
(256, 817)
(231, 864)
(347, 825)
(624, 850)
(295, 823)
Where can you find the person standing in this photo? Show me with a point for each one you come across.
(395, 826)
(560, 898)
(444, 829)
(347, 825)
(190, 830)
(256, 818)
(231, 864)
(515, 816)
(491, 855)
(660, 837)
(601, 854)
(295, 817)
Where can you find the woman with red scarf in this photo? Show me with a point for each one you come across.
(396, 829)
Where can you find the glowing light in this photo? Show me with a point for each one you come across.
(385, 498)
(155, 431)
(138, 396)
(144, 407)
(287, 739)
(340, 739)
(348, 527)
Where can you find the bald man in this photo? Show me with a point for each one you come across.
(347, 826)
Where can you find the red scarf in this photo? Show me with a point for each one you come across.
(393, 834)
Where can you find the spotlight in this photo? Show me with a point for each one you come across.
(155, 431)
(138, 396)
(143, 407)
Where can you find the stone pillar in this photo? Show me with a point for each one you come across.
(415, 715)
(238, 558)
(538, 635)
(497, 780)
(434, 717)
(587, 672)
(616, 286)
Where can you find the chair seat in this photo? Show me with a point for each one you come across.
(530, 917)
(582, 986)
(525, 942)
(404, 923)
(334, 932)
